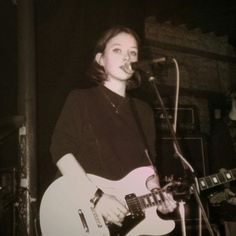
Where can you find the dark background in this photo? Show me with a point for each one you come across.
(65, 35)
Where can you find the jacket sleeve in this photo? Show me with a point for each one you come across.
(65, 135)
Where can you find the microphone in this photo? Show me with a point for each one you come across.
(145, 65)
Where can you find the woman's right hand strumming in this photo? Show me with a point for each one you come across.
(111, 209)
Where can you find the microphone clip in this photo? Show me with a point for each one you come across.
(180, 189)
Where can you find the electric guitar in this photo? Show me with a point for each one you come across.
(65, 210)
(217, 179)
(211, 181)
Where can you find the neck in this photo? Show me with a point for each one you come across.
(116, 87)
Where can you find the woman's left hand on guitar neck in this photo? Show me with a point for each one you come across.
(167, 203)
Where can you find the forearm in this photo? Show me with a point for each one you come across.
(73, 172)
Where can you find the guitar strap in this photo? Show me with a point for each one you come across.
(141, 131)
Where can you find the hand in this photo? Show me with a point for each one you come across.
(226, 195)
(231, 197)
(153, 182)
(168, 204)
(111, 209)
(217, 198)
(232, 201)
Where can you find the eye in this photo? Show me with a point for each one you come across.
(117, 50)
(133, 53)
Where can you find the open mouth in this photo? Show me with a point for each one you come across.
(127, 68)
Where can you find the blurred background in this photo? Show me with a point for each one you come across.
(45, 48)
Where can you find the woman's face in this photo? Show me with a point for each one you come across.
(120, 50)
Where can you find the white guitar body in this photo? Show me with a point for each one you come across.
(66, 211)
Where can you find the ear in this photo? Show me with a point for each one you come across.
(99, 58)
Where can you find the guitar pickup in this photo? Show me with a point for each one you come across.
(134, 205)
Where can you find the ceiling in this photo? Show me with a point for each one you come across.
(216, 16)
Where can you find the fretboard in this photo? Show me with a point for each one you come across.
(217, 179)
(149, 200)
(137, 204)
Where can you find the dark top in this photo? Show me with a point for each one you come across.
(105, 143)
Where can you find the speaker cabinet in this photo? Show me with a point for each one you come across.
(7, 200)
(194, 150)
(187, 116)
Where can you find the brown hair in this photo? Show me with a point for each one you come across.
(96, 72)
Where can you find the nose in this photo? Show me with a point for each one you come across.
(127, 56)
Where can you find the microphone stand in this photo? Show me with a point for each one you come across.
(186, 166)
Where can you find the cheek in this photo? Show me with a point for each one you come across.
(110, 63)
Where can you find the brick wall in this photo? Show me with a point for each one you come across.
(207, 64)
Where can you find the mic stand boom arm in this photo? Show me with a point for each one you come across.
(186, 166)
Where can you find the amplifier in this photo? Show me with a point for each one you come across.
(7, 200)
(7, 188)
(187, 121)
(195, 151)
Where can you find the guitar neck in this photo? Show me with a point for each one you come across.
(137, 204)
(217, 179)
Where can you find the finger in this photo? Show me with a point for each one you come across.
(121, 214)
(163, 209)
(112, 219)
(169, 207)
(232, 201)
(169, 201)
(169, 197)
(121, 208)
(116, 218)
(230, 193)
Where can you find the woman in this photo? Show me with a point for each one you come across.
(102, 131)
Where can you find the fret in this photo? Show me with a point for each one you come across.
(148, 200)
(228, 175)
(214, 179)
(217, 179)
(222, 177)
(151, 198)
(155, 198)
(233, 171)
(142, 202)
(158, 198)
(145, 201)
(209, 181)
(203, 183)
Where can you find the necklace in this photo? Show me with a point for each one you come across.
(115, 107)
